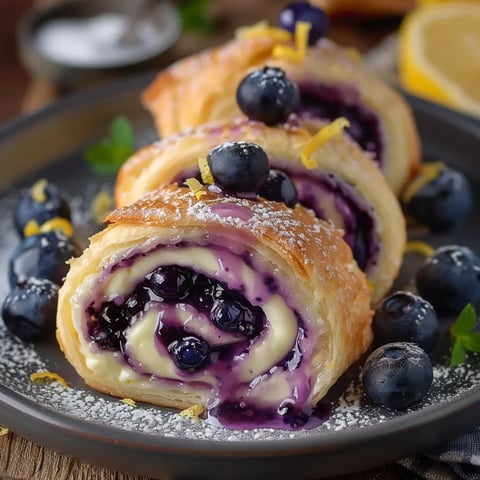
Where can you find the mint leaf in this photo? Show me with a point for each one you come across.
(465, 321)
(122, 132)
(458, 354)
(110, 153)
(194, 16)
(471, 342)
(463, 336)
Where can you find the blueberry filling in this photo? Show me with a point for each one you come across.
(330, 102)
(329, 198)
(227, 309)
(215, 337)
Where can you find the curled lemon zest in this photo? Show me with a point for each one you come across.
(129, 401)
(42, 376)
(428, 172)
(101, 206)
(262, 29)
(37, 190)
(31, 228)
(195, 187)
(321, 138)
(57, 223)
(4, 431)
(193, 412)
(422, 248)
(205, 172)
(298, 52)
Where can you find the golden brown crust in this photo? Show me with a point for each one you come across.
(176, 157)
(308, 257)
(202, 88)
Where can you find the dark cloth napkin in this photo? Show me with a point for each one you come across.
(457, 459)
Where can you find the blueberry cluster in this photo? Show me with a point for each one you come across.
(227, 309)
(398, 373)
(38, 265)
(242, 167)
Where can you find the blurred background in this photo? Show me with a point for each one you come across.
(363, 24)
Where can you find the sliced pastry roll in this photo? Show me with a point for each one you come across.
(246, 307)
(332, 80)
(344, 186)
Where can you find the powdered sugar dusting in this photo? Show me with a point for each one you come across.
(350, 410)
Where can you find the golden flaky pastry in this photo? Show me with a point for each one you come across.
(345, 186)
(246, 307)
(332, 81)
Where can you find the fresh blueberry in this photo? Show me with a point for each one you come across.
(41, 203)
(232, 315)
(108, 326)
(268, 95)
(405, 317)
(170, 282)
(30, 309)
(397, 375)
(137, 301)
(238, 166)
(450, 279)
(443, 202)
(279, 188)
(304, 12)
(42, 256)
(190, 353)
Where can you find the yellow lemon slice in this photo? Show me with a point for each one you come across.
(439, 56)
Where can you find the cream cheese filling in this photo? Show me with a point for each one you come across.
(250, 368)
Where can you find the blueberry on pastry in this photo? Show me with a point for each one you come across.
(340, 184)
(245, 306)
(332, 81)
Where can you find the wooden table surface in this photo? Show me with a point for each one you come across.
(23, 93)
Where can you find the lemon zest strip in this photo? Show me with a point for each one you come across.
(428, 172)
(422, 248)
(262, 29)
(4, 431)
(205, 172)
(57, 223)
(37, 190)
(321, 138)
(297, 53)
(31, 228)
(193, 412)
(195, 187)
(129, 401)
(41, 376)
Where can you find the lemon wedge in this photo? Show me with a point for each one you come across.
(438, 54)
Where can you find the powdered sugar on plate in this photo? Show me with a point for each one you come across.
(350, 410)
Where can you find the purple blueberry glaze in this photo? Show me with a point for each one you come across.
(330, 102)
(242, 326)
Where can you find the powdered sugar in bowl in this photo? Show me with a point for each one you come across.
(72, 40)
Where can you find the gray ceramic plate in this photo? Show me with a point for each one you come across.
(158, 442)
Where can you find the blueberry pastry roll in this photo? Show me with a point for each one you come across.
(332, 82)
(244, 306)
(344, 186)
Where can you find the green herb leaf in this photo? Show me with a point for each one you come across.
(458, 353)
(463, 336)
(465, 321)
(110, 153)
(194, 16)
